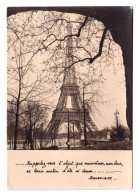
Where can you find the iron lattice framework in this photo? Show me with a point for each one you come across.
(77, 113)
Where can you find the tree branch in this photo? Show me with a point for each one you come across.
(100, 46)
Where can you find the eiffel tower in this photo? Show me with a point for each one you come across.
(77, 113)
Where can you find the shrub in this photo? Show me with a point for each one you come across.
(120, 133)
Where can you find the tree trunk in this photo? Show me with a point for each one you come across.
(16, 126)
(32, 141)
(128, 76)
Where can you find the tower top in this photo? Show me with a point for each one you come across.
(69, 74)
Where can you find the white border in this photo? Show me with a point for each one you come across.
(3, 154)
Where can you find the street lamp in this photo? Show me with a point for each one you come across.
(116, 118)
(117, 122)
(73, 135)
(68, 142)
(85, 137)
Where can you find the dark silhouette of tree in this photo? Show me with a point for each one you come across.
(119, 133)
(10, 124)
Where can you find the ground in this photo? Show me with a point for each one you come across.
(117, 145)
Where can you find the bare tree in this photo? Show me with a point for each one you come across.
(21, 87)
(34, 118)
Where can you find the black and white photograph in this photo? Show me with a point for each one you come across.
(69, 78)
